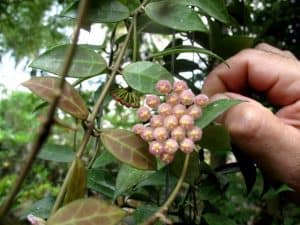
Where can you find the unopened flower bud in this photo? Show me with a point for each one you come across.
(179, 110)
(164, 109)
(195, 134)
(156, 121)
(164, 86)
(186, 121)
(156, 148)
(171, 146)
(167, 157)
(170, 122)
(173, 99)
(187, 97)
(178, 133)
(180, 86)
(152, 101)
(160, 133)
(147, 134)
(187, 145)
(195, 111)
(144, 114)
(201, 100)
(138, 128)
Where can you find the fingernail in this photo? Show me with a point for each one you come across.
(218, 97)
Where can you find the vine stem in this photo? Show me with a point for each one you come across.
(91, 119)
(45, 128)
(164, 208)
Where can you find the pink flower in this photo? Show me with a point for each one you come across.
(138, 128)
(147, 134)
(180, 86)
(164, 109)
(171, 146)
(187, 146)
(160, 133)
(179, 110)
(170, 122)
(195, 111)
(178, 133)
(195, 134)
(167, 157)
(201, 100)
(186, 121)
(152, 101)
(144, 114)
(164, 86)
(172, 99)
(156, 148)
(156, 121)
(187, 97)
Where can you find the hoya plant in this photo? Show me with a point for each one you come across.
(158, 168)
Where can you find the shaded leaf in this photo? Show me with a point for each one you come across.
(56, 153)
(87, 211)
(216, 138)
(70, 101)
(217, 219)
(215, 109)
(104, 159)
(77, 183)
(184, 49)
(104, 11)
(175, 16)
(214, 8)
(144, 212)
(128, 177)
(41, 208)
(101, 181)
(143, 76)
(85, 63)
(182, 65)
(145, 24)
(273, 192)
(128, 148)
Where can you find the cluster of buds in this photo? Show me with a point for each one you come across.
(171, 128)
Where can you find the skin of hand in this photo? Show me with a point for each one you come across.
(273, 140)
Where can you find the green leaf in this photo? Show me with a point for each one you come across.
(145, 24)
(143, 76)
(217, 219)
(216, 138)
(56, 153)
(128, 148)
(104, 11)
(87, 211)
(70, 101)
(185, 49)
(41, 208)
(214, 8)
(128, 177)
(215, 109)
(182, 65)
(101, 181)
(272, 192)
(77, 183)
(144, 212)
(104, 159)
(86, 62)
(175, 16)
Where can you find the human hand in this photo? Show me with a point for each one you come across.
(273, 140)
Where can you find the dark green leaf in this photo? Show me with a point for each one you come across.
(85, 63)
(143, 76)
(209, 189)
(70, 101)
(144, 212)
(87, 211)
(184, 49)
(175, 16)
(144, 24)
(104, 11)
(104, 159)
(182, 65)
(217, 219)
(41, 208)
(77, 183)
(57, 153)
(216, 138)
(128, 177)
(101, 181)
(215, 109)
(214, 8)
(128, 148)
(272, 192)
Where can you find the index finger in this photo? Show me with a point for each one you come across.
(277, 76)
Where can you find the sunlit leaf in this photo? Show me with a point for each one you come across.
(215, 109)
(128, 148)
(85, 63)
(77, 183)
(56, 153)
(70, 101)
(101, 181)
(87, 211)
(185, 49)
(143, 76)
(128, 177)
(175, 16)
(217, 219)
(104, 11)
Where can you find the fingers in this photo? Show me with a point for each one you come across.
(277, 76)
(267, 139)
(269, 48)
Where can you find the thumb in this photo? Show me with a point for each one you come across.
(265, 138)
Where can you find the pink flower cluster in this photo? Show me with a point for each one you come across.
(172, 127)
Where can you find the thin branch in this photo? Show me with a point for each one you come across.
(46, 126)
(163, 209)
